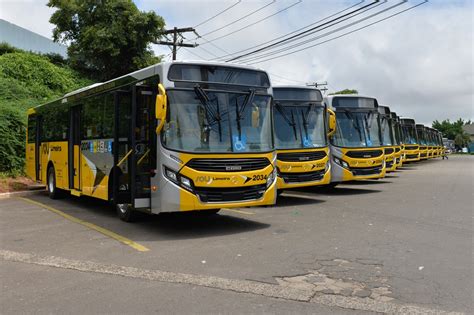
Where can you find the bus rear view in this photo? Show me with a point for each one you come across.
(356, 146)
(300, 137)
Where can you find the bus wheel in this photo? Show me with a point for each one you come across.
(53, 191)
(125, 212)
(331, 185)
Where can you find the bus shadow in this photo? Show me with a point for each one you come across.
(366, 182)
(176, 226)
(340, 191)
(173, 225)
(293, 198)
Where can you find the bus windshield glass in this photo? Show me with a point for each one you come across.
(421, 136)
(386, 127)
(218, 121)
(357, 129)
(409, 134)
(299, 125)
(396, 132)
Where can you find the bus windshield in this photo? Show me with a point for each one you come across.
(386, 127)
(396, 132)
(409, 134)
(357, 129)
(299, 125)
(421, 136)
(218, 121)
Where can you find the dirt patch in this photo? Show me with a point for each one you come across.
(16, 184)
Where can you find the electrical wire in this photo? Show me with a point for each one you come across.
(254, 23)
(239, 19)
(344, 34)
(295, 31)
(219, 13)
(306, 32)
(271, 53)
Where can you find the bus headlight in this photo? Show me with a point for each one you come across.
(341, 162)
(179, 179)
(271, 178)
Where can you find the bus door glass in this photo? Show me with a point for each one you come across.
(143, 137)
(121, 147)
(74, 149)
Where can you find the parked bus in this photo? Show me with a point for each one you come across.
(430, 132)
(397, 131)
(411, 147)
(174, 136)
(301, 137)
(356, 146)
(422, 138)
(388, 138)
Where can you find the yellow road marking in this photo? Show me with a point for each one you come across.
(238, 211)
(92, 226)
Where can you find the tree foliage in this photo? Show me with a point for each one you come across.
(453, 130)
(106, 38)
(345, 91)
(27, 80)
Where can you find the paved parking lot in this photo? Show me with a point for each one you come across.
(401, 244)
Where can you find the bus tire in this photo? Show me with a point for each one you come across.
(331, 185)
(53, 191)
(125, 212)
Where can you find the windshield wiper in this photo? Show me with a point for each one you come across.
(291, 123)
(214, 115)
(304, 117)
(239, 111)
(356, 125)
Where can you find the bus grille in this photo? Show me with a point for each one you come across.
(302, 177)
(414, 147)
(229, 194)
(363, 171)
(228, 165)
(389, 164)
(422, 155)
(301, 156)
(411, 156)
(397, 149)
(389, 150)
(364, 154)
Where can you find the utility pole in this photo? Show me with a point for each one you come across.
(175, 43)
(317, 85)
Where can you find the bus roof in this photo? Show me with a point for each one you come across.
(142, 74)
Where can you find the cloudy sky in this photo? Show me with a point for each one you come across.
(420, 63)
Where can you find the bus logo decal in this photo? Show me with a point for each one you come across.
(233, 168)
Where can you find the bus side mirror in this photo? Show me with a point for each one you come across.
(160, 107)
(331, 123)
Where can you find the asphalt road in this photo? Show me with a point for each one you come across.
(403, 244)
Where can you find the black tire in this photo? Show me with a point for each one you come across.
(125, 212)
(53, 191)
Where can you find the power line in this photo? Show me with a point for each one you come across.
(345, 34)
(254, 23)
(271, 53)
(216, 15)
(239, 19)
(304, 32)
(293, 32)
(285, 78)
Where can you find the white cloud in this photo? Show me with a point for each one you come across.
(419, 63)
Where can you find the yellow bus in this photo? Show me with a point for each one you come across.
(356, 147)
(410, 144)
(388, 138)
(397, 132)
(301, 137)
(176, 136)
(421, 133)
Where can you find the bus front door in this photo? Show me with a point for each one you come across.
(133, 152)
(75, 149)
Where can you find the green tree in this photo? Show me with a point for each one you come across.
(345, 91)
(453, 131)
(106, 38)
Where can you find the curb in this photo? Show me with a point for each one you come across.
(20, 193)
